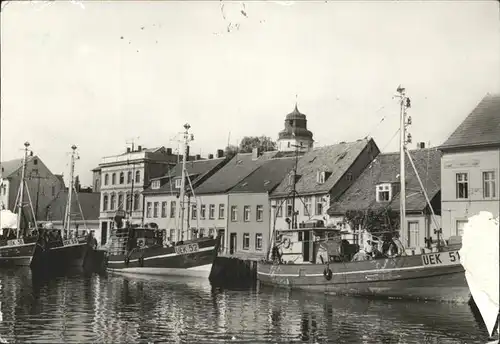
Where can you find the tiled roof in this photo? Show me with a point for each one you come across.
(361, 194)
(481, 127)
(10, 166)
(335, 159)
(61, 179)
(240, 166)
(89, 201)
(266, 177)
(198, 168)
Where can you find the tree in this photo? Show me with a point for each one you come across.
(248, 143)
(383, 221)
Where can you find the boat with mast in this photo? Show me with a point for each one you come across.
(17, 247)
(344, 268)
(56, 251)
(144, 250)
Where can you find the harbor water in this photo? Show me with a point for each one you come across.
(128, 309)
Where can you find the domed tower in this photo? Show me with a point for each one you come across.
(295, 133)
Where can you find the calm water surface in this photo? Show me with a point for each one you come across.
(117, 309)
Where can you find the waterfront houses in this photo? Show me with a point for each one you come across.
(322, 175)
(249, 208)
(470, 166)
(43, 186)
(212, 195)
(377, 189)
(124, 177)
(162, 199)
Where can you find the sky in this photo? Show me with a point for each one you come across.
(99, 74)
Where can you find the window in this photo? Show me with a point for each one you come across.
(122, 177)
(246, 213)
(459, 229)
(163, 209)
(279, 208)
(137, 176)
(489, 187)
(384, 193)
(320, 177)
(246, 241)
(211, 232)
(234, 213)
(319, 205)
(178, 183)
(211, 211)
(136, 201)
(156, 208)
(172, 235)
(194, 211)
(128, 202)
(96, 184)
(35, 161)
(113, 179)
(307, 206)
(53, 190)
(105, 202)
(300, 236)
(462, 185)
(172, 209)
(259, 212)
(258, 241)
(348, 176)
(202, 232)
(148, 209)
(129, 177)
(155, 184)
(222, 211)
(202, 211)
(120, 201)
(413, 234)
(289, 207)
(106, 179)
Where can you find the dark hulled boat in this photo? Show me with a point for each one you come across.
(342, 268)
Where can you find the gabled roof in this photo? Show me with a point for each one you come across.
(481, 127)
(266, 177)
(336, 159)
(361, 194)
(198, 169)
(89, 201)
(240, 166)
(10, 166)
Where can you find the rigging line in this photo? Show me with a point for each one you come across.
(392, 138)
(381, 120)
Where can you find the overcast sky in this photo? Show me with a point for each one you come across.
(98, 74)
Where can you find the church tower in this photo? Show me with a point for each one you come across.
(295, 133)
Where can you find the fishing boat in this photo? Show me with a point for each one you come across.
(482, 265)
(56, 251)
(340, 266)
(17, 241)
(145, 250)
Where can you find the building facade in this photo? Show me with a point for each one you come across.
(295, 135)
(470, 167)
(249, 221)
(43, 186)
(124, 177)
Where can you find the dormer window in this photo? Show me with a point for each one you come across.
(178, 183)
(320, 177)
(155, 184)
(384, 192)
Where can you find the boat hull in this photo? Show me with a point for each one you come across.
(18, 255)
(409, 277)
(166, 261)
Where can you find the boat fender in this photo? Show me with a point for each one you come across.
(141, 261)
(286, 243)
(327, 273)
(127, 260)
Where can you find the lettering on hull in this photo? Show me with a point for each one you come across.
(441, 258)
(186, 249)
(15, 242)
(69, 242)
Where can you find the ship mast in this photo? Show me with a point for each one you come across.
(187, 138)
(67, 218)
(21, 189)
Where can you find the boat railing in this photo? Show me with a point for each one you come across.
(119, 244)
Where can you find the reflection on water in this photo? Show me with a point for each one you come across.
(116, 309)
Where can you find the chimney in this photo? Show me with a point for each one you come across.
(210, 156)
(169, 151)
(420, 145)
(128, 149)
(256, 153)
(139, 148)
(220, 153)
(198, 157)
